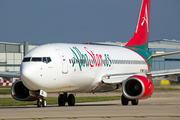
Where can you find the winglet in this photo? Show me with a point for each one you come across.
(141, 36)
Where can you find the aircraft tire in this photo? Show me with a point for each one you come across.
(44, 103)
(61, 100)
(124, 101)
(71, 100)
(38, 103)
(134, 102)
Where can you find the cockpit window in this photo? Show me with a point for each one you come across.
(36, 59)
(46, 59)
(27, 59)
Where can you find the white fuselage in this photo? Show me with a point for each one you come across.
(77, 68)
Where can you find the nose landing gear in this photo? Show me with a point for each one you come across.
(41, 102)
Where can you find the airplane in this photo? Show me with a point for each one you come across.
(72, 68)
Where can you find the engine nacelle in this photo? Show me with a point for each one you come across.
(20, 92)
(137, 87)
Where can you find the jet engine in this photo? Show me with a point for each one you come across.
(137, 87)
(20, 92)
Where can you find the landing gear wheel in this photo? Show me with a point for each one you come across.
(71, 100)
(134, 102)
(44, 103)
(38, 103)
(41, 102)
(61, 100)
(124, 101)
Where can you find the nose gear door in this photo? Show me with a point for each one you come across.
(64, 61)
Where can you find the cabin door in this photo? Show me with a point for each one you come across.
(64, 61)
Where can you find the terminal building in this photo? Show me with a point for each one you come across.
(11, 54)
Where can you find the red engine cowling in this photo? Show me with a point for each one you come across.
(20, 92)
(137, 87)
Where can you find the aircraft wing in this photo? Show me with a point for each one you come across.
(172, 74)
(119, 78)
(164, 54)
(116, 80)
(9, 75)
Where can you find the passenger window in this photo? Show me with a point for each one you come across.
(27, 59)
(36, 59)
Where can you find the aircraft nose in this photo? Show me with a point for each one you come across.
(29, 74)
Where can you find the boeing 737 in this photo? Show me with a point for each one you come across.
(72, 68)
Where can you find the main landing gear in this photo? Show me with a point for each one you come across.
(125, 101)
(63, 98)
(41, 102)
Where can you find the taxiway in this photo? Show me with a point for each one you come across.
(161, 106)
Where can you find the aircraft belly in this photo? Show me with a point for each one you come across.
(70, 82)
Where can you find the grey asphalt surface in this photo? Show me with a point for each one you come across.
(161, 106)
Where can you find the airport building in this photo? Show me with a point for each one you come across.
(11, 54)
(163, 46)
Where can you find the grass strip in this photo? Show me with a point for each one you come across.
(53, 100)
(5, 86)
(5, 91)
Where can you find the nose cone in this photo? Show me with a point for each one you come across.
(29, 75)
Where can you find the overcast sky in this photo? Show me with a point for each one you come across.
(77, 21)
